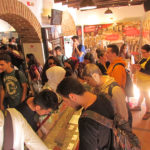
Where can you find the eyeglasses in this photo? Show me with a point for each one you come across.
(51, 64)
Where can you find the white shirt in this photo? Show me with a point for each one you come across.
(23, 133)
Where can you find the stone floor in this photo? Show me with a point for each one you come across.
(65, 135)
(142, 128)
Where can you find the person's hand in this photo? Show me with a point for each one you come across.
(135, 67)
(75, 45)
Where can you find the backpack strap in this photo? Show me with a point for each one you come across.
(111, 86)
(98, 118)
(118, 64)
(18, 77)
(2, 79)
(8, 132)
(62, 58)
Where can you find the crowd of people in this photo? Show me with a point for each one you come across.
(81, 81)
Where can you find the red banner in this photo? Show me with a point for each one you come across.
(131, 31)
(146, 34)
(89, 29)
(112, 37)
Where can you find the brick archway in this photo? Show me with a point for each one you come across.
(22, 19)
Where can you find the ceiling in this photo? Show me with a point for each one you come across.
(101, 3)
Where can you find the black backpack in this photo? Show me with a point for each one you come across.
(129, 83)
(123, 137)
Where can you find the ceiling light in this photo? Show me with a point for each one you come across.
(108, 11)
(87, 4)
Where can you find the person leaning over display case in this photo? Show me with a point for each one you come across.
(42, 104)
(92, 135)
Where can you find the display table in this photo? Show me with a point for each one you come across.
(63, 131)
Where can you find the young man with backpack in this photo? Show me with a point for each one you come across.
(118, 72)
(92, 136)
(12, 90)
(99, 127)
(117, 69)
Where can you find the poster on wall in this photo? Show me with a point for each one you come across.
(146, 29)
(99, 36)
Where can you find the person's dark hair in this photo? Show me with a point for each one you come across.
(5, 57)
(114, 48)
(32, 60)
(146, 47)
(9, 40)
(89, 56)
(100, 53)
(75, 37)
(13, 38)
(71, 62)
(70, 85)
(69, 72)
(46, 66)
(80, 69)
(46, 99)
(12, 47)
(3, 47)
(57, 48)
(122, 49)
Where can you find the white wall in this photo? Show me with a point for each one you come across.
(97, 16)
(36, 49)
(4, 26)
(36, 8)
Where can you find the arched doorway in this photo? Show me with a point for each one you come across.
(25, 23)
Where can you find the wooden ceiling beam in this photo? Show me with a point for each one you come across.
(101, 3)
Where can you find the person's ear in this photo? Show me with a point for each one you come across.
(37, 107)
(72, 97)
(9, 63)
(96, 77)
